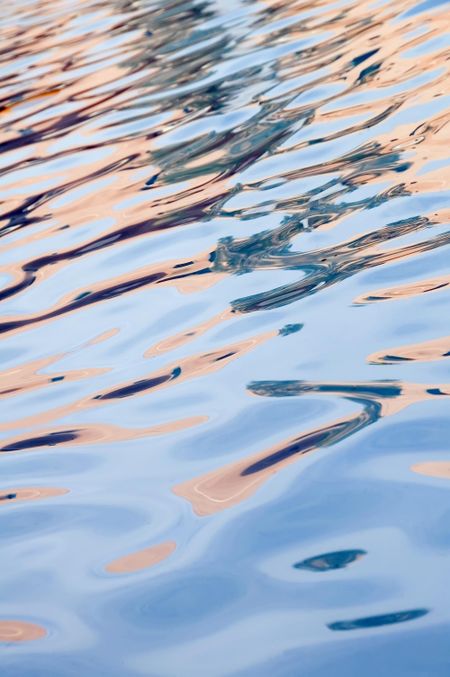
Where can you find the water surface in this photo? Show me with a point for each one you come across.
(224, 338)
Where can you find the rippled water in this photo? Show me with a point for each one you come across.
(224, 345)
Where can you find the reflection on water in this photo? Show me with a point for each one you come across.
(439, 469)
(142, 559)
(407, 290)
(330, 560)
(375, 621)
(207, 210)
(426, 351)
(20, 631)
(30, 493)
(229, 485)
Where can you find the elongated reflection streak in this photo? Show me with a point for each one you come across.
(8, 496)
(178, 340)
(378, 621)
(233, 483)
(191, 367)
(20, 631)
(142, 559)
(405, 291)
(94, 433)
(439, 469)
(169, 273)
(27, 376)
(428, 351)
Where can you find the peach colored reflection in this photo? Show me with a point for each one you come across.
(20, 631)
(362, 26)
(428, 351)
(180, 339)
(142, 559)
(104, 336)
(89, 434)
(27, 377)
(405, 291)
(190, 367)
(8, 496)
(176, 273)
(227, 486)
(207, 363)
(87, 96)
(439, 469)
(208, 189)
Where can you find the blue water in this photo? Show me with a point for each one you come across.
(224, 338)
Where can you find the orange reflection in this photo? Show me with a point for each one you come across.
(233, 483)
(405, 291)
(180, 339)
(440, 469)
(104, 336)
(20, 631)
(390, 38)
(185, 275)
(8, 496)
(428, 351)
(88, 434)
(142, 559)
(190, 367)
(26, 376)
